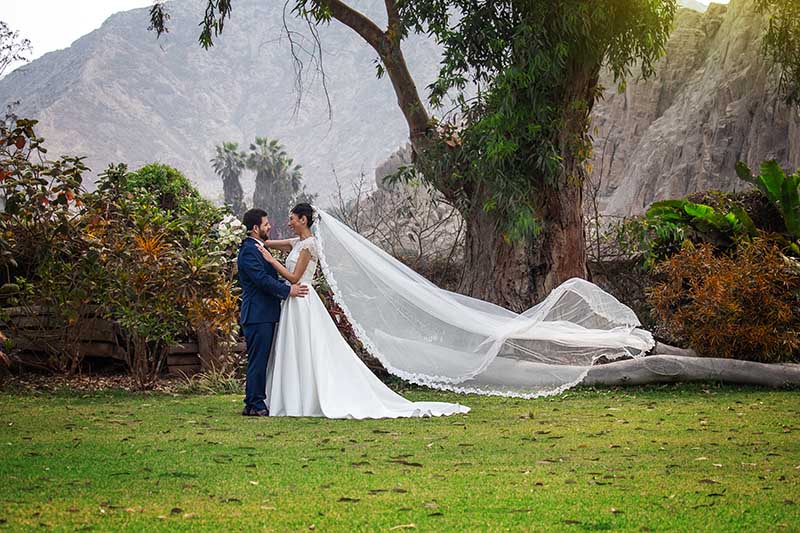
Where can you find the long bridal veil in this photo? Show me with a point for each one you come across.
(430, 336)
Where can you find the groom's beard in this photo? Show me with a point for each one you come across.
(263, 235)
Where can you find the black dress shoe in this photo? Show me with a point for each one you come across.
(255, 412)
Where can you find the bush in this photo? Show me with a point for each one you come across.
(170, 188)
(782, 189)
(743, 306)
(144, 250)
(164, 271)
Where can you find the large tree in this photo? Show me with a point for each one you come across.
(279, 181)
(513, 160)
(228, 164)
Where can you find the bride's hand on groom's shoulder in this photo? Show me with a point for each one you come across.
(266, 254)
(298, 291)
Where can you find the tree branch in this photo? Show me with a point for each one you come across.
(392, 56)
(358, 22)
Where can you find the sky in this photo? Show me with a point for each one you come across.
(55, 24)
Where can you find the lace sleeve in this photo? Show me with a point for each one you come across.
(309, 244)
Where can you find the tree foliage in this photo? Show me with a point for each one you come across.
(279, 181)
(782, 43)
(537, 64)
(525, 55)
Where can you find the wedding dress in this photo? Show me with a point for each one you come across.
(433, 337)
(312, 371)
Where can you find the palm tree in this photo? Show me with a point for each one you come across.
(228, 164)
(279, 182)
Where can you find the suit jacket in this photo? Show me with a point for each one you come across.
(262, 291)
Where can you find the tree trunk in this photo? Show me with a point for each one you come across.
(559, 251)
(495, 270)
(517, 275)
(680, 369)
(234, 195)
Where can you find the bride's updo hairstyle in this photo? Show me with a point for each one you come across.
(304, 210)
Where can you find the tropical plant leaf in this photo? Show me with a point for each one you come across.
(771, 179)
(790, 203)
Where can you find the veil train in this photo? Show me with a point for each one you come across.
(433, 337)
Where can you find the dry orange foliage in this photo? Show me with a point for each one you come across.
(745, 306)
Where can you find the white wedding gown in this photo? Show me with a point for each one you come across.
(313, 371)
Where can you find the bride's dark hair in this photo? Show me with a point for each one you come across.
(304, 210)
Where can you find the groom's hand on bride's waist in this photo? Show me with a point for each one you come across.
(298, 291)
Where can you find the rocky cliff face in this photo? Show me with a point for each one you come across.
(712, 103)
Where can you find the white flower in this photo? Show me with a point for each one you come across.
(230, 231)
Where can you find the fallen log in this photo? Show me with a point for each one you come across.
(678, 368)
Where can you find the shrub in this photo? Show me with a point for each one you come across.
(782, 189)
(668, 224)
(164, 272)
(42, 240)
(743, 306)
(170, 187)
(144, 250)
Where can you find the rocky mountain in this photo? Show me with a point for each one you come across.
(712, 103)
(119, 95)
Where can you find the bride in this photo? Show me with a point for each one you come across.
(424, 334)
(312, 370)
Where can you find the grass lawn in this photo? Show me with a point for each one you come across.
(682, 458)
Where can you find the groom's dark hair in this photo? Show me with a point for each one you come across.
(253, 218)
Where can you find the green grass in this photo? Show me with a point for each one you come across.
(682, 458)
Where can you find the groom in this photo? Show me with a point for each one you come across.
(262, 293)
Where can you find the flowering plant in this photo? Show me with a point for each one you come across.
(231, 232)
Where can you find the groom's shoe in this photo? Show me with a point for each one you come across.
(255, 412)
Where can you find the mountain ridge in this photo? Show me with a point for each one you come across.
(119, 95)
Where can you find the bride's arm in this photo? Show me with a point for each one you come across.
(299, 268)
(284, 245)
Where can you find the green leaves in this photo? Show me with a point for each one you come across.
(781, 189)
(525, 133)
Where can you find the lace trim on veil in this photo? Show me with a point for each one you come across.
(436, 382)
(419, 379)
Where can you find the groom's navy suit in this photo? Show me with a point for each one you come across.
(262, 293)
